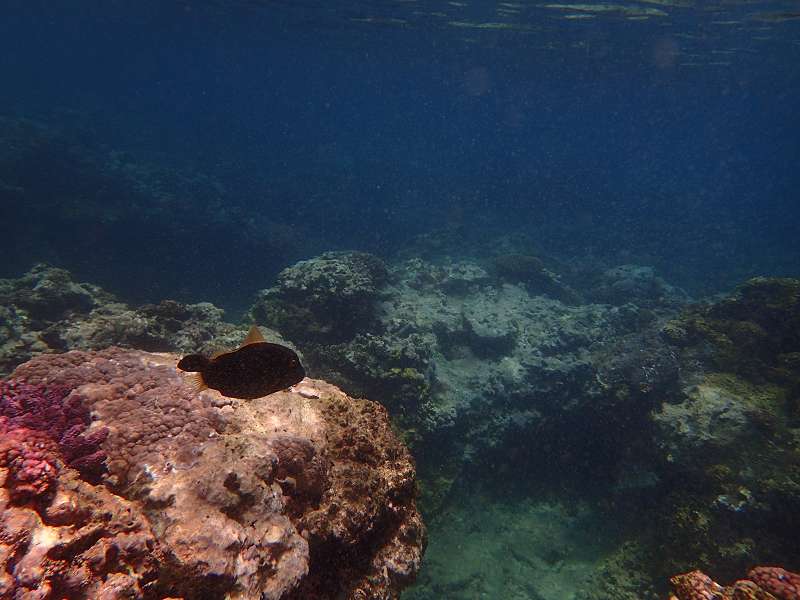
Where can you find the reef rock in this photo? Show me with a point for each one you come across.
(754, 332)
(638, 284)
(326, 299)
(45, 310)
(531, 271)
(136, 486)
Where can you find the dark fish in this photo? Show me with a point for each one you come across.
(255, 369)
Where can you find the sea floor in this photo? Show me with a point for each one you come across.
(518, 549)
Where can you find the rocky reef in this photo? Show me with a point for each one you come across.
(606, 403)
(472, 361)
(325, 299)
(117, 480)
(729, 440)
(682, 416)
(47, 311)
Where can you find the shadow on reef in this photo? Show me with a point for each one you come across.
(671, 428)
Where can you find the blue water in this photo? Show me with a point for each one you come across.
(193, 149)
(675, 138)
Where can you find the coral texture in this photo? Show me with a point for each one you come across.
(777, 581)
(764, 583)
(323, 299)
(300, 494)
(42, 429)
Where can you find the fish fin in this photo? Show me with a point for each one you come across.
(218, 353)
(254, 336)
(196, 382)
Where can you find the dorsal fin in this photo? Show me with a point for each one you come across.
(253, 337)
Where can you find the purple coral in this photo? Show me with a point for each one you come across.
(43, 427)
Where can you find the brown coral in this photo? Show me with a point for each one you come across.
(284, 496)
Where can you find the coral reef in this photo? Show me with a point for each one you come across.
(764, 583)
(777, 581)
(47, 311)
(471, 365)
(729, 439)
(42, 428)
(325, 299)
(684, 426)
(300, 494)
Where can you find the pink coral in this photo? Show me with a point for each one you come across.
(31, 458)
(778, 581)
(768, 583)
(56, 419)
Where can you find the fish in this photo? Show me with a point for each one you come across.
(257, 368)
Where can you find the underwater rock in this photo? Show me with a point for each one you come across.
(47, 311)
(326, 299)
(397, 369)
(755, 332)
(452, 277)
(283, 496)
(462, 277)
(538, 279)
(637, 284)
(713, 418)
(490, 333)
(639, 368)
(739, 382)
(726, 439)
(49, 294)
(32, 303)
(165, 327)
(473, 367)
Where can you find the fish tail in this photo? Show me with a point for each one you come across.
(195, 381)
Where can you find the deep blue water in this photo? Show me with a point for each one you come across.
(672, 141)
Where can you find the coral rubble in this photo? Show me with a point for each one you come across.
(293, 495)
